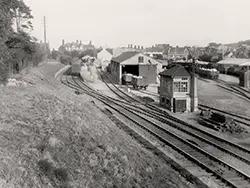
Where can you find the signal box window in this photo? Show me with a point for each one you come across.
(140, 59)
(180, 87)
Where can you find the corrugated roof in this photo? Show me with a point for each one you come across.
(175, 71)
(124, 56)
(234, 61)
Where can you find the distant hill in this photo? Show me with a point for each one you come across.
(238, 44)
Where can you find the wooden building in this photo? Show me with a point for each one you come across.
(134, 63)
(175, 89)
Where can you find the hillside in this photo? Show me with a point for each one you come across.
(51, 137)
(237, 44)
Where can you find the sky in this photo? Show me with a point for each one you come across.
(141, 22)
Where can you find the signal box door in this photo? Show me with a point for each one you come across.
(180, 105)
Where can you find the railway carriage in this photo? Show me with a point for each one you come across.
(208, 73)
(75, 69)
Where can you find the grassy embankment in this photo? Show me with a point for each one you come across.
(51, 137)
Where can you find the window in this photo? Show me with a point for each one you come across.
(140, 59)
(163, 100)
(184, 78)
(177, 86)
(180, 86)
(167, 101)
(184, 87)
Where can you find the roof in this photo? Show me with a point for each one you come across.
(124, 56)
(175, 71)
(234, 61)
(110, 50)
(177, 50)
(77, 45)
(105, 49)
(163, 62)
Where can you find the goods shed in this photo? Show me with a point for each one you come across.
(225, 64)
(136, 64)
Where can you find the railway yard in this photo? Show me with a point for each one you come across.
(112, 135)
(208, 156)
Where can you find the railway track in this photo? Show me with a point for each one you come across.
(127, 97)
(238, 118)
(181, 147)
(229, 147)
(240, 91)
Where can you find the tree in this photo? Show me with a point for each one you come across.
(54, 54)
(213, 44)
(21, 14)
(91, 53)
(17, 48)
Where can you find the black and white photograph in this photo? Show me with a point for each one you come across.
(124, 94)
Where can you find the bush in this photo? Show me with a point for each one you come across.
(66, 60)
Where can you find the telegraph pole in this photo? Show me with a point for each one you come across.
(45, 38)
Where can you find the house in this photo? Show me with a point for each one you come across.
(104, 57)
(177, 53)
(135, 63)
(175, 89)
(77, 46)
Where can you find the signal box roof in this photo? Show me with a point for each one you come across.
(175, 71)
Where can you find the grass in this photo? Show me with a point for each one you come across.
(50, 137)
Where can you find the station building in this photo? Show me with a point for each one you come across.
(135, 63)
(176, 89)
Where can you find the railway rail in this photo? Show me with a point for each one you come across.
(240, 91)
(231, 148)
(127, 97)
(238, 118)
(183, 146)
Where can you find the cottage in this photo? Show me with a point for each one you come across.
(177, 53)
(175, 89)
(134, 63)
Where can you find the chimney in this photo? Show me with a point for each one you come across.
(80, 42)
(76, 41)
(134, 46)
(138, 47)
(90, 43)
(63, 42)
